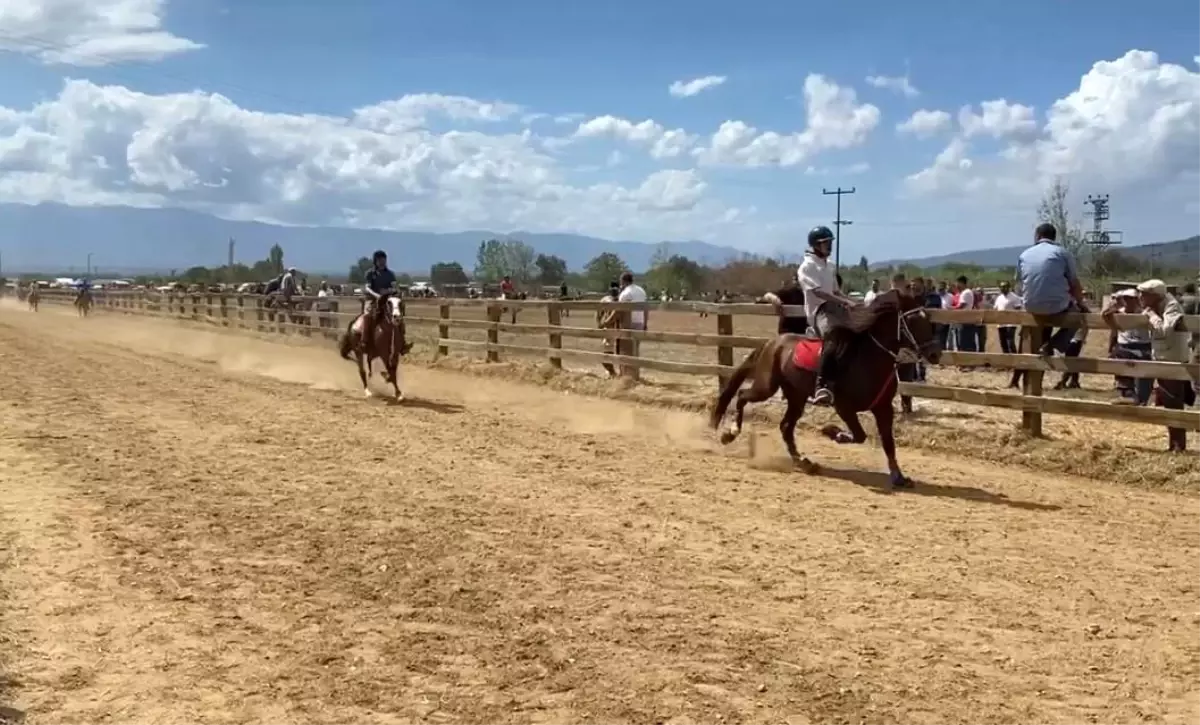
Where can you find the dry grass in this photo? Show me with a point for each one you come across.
(1127, 453)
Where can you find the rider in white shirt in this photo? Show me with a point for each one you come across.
(824, 304)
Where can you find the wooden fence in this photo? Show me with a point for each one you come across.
(249, 312)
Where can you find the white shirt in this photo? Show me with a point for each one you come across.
(1007, 301)
(966, 299)
(634, 293)
(869, 296)
(815, 273)
(947, 301)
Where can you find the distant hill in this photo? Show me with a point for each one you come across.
(125, 240)
(1183, 253)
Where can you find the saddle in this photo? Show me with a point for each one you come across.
(807, 353)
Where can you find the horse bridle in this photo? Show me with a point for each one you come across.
(903, 334)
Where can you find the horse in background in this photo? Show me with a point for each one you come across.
(869, 354)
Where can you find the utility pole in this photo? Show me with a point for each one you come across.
(232, 244)
(1098, 237)
(838, 224)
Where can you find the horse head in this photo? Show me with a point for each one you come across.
(897, 318)
(394, 313)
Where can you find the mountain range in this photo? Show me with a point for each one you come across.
(124, 240)
(127, 240)
(1181, 253)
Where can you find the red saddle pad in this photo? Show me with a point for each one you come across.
(807, 354)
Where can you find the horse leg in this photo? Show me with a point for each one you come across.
(856, 433)
(787, 427)
(395, 374)
(362, 374)
(758, 391)
(885, 419)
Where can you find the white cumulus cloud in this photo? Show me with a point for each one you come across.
(663, 143)
(1132, 120)
(686, 89)
(88, 32)
(381, 166)
(835, 120)
(896, 84)
(924, 123)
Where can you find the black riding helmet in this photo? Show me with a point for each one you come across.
(818, 235)
(379, 254)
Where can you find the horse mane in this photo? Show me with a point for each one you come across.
(864, 317)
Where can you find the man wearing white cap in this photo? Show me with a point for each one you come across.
(1132, 344)
(1168, 343)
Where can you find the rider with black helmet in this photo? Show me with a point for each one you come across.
(824, 304)
(378, 281)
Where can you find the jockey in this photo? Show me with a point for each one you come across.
(288, 284)
(825, 305)
(378, 281)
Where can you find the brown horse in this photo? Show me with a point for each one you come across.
(387, 342)
(869, 355)
(83, 302)
(33, 298)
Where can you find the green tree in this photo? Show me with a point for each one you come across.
(275, 259)
(498, 258)
(604, 268)
(551, 269)
(675, 274)
(863, 264)
(358, 270)
(444, 273)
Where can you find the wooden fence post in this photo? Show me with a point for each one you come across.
(241, 313)
(208, 307)
(493, 333)
(1031, 383)
(443, 329)
(554, 318)
(627, 346)
(195, 307)
(724, 352)
(261, 314)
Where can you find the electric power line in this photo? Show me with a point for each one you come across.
(838, 223)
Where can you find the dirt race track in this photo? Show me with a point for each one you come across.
(205, 528)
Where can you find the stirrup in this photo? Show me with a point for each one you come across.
(822, 396)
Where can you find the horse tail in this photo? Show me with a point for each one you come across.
(734, 383)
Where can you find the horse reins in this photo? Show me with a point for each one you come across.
(902, 333)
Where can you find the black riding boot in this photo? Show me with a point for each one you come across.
(826, 370)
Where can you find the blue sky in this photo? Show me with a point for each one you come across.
(618, 58)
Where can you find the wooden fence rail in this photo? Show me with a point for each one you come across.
(250, 312)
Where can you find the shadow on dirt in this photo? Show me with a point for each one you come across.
(423, 404)
(878, 482)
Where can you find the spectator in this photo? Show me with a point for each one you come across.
(899, 283)
(1129, 345)
(871, 293)
(981, 329)
(1168, 343)
(1190, 303)
(1074, 348)
(965, 300)
(789, 295)
(631, 292)
(935, 300)
(1049, 285)
(1006, 301)
(609, 320)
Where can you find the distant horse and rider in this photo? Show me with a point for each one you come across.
(83, 301)
(379, 332)
(33, 298)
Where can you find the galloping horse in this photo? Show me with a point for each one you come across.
(387, 343)
(869, 355)
(33, 298)
(83, 302)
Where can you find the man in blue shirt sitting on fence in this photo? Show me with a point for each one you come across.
(1050, 285)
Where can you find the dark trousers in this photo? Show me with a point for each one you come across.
(968, 338)
(1008, 340)
(981, 338)
(1071, 380)
(1138, 389)
(1173, 395)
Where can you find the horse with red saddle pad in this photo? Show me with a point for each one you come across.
(869, 353)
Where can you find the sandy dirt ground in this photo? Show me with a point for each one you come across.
(202, 527)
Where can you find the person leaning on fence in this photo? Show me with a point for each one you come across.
(638, 319)
(1005, 301)
(1168, 343)
(1133, 344)
(1049, 285)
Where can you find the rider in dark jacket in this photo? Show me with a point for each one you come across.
(377, 283)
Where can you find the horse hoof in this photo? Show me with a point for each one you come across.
(727, 437)
(367, 393)
(807, 466)
(899, 480)
(831, 431)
